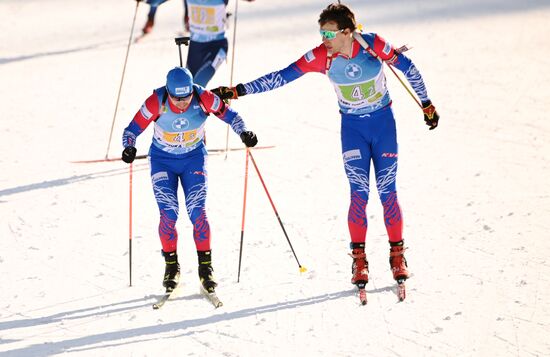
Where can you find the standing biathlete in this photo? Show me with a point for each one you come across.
(206, 21)
(177, 154)
(208, 45)
(368, 130)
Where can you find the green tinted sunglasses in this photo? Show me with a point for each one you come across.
(329, 35)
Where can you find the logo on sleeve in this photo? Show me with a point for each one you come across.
(387, 49)
(216, 104)
(309, 57)
(145, 112)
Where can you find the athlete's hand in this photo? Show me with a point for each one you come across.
(227, 93)
(430, 115)
(249, 138)
(129, 154)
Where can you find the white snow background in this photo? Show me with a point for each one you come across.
(474, 192)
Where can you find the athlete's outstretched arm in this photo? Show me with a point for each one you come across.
(273, 80)
(263, 84)
(312, 61)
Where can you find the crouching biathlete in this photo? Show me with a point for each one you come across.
(178, 154)
(353, 63)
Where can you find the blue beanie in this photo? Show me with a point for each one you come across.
(179, 82)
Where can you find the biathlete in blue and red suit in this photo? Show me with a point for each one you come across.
(178, 155)
(206, 21)
(368, 130)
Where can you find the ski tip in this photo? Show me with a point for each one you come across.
(401, 291)
(139, 37)
(363, 296)
(159, 303)
(211, 296)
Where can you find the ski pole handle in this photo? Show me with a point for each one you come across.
(182, 41)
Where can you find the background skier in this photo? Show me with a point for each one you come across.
(206, 22)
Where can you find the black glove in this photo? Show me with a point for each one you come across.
(249, 138)
(430, 115)
(129, 154)
(227, 93)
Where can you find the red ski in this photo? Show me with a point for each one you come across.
(363, 296)
(401, 291)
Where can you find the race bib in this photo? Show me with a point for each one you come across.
(184, 138)
(207, 18)
(360, 92)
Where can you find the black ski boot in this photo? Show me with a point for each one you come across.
(172, 271)
(205, 271)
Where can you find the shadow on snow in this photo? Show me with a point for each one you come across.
(80, 343)
(70, 180)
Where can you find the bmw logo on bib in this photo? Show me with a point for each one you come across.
(180, 124)
(353, 71)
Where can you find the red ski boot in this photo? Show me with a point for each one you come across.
(360, 267)
(360, 270)
(148, 26)
(398, 262)
(399, 269)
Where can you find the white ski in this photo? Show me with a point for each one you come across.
(163, 299)
(212, 297)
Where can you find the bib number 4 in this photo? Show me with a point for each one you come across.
(357, 94)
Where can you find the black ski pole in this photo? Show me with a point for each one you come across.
(302, 269)
(130, 222)
(122, 79)
(182, 41)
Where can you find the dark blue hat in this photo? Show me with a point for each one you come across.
(179, 82)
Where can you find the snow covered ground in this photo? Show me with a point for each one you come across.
(473, 192)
